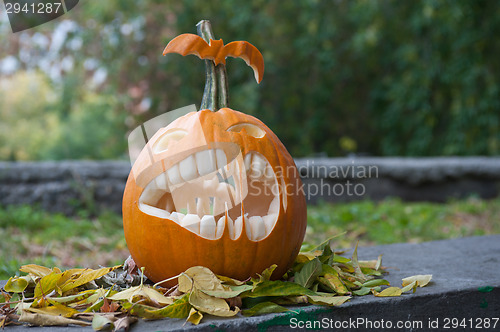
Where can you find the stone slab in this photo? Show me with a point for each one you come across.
(465, 289)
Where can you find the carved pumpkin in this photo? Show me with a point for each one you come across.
(214, 188)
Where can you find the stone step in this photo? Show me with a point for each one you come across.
(465, 288)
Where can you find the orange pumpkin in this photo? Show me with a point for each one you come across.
(214, 188)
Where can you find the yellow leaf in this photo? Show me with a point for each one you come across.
(203, 279)
(421, 279)
(334, 283)
(142, 292)
(304, 257)
(82, 277)
(17, 284)
(47, 284)
(390, 291)
(211, 305)
(56, 310)
(36, 270)
(230, 281)
(194, 316)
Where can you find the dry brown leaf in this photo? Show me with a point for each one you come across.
(48, 320)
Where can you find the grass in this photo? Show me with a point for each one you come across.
(30, 235)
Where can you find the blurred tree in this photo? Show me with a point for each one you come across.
(25, 124)
(387, 77)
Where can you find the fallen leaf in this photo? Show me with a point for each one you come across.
(194, 316)
(230, 281)
(84, 277)
(328, 300)
(211, 305)
(333, 282)
(421, 279)
(203, 279)
(37, 270)
(124, 323)
(390, 291)
(142, 292)
(264, 308)
(108, 306)
(376, 282)
(55, 309)
(179, 309)
(409, 287)
(231, 292)
(47, 284)
(278, 288)
(17, 284)
(100, 323)
(308, 274)
(48, 320)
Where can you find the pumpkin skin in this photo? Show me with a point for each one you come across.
(165, 248)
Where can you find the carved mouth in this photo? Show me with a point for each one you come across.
(201, 190)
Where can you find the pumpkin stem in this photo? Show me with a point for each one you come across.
(215, 95)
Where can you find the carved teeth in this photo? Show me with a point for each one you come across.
(154, 211)
(188, 169)
(221, 158)
(205, 161)
(204, 186)
(238, 228)
(207, 227)
(220, 227)
(256, 225)
(269, 222)
(248, 162)
(173, 174)
(177, 217)
(203, 206)
(257, 167)
(191, 222)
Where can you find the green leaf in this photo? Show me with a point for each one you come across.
(355, 264)
(328, 300)
(376, 282)
(278, 288)
(341, 259)
(179, 309)
(265, 276)
(309, 273)
(227, 294)
(264, 308)
(362, 291)
(409, 287)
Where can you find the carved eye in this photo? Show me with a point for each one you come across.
(168, 138)
(251, 129)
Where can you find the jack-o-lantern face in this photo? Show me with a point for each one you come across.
(216, 189)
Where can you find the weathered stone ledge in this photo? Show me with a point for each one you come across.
(465, 286)
(69, 185)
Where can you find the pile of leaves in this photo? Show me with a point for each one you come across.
(115, 297)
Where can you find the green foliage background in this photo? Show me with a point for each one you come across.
(386, 77)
